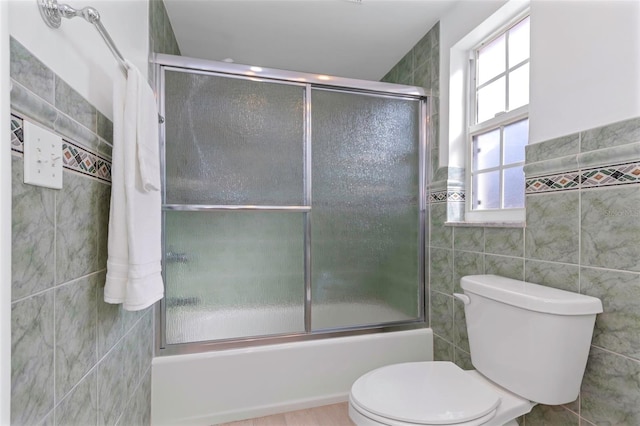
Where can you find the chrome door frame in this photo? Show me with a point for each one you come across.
(162, 62)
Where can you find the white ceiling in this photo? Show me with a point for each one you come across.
(335, 37)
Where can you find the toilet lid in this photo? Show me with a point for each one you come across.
(436, 393)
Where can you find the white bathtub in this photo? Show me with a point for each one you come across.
(221, 386)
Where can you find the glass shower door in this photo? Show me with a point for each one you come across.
(366, 210)
(234, 207)
(290, 208)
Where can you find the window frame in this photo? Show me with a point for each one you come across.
(499, 121)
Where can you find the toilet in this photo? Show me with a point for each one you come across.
(529, 344)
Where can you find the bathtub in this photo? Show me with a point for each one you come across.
(222, 386)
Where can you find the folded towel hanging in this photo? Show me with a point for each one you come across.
(134, 248)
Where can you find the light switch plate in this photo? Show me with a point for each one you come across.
(42, 157)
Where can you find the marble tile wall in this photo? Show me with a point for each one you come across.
(161, 36)
(75, 359)
(582, 234)
(420, 67)
(583, 238)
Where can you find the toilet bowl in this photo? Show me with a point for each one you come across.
(432, 393)
(529, 344)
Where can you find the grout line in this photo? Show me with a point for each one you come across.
(97, 332)
(579, 162)
(49, 413)
(55, 238)
(77, 173)
(55, 286)
(579, 226)
(602, 268)
(53, 289)
(628, 358)
(95, 366)
(73, 388)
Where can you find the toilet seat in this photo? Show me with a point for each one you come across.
(423, 393)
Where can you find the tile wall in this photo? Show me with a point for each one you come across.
(582, 234)
(419, 67)
(161, 36)
(75, 359)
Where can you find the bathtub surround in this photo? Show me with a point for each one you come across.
(75, 359)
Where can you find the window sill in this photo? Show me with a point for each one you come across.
(486, 224)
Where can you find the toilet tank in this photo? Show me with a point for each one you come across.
(530, 339)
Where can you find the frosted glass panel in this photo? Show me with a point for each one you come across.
(519, 87)
(519, 42)
(233, 141)
(365, 211)
(233, 274)
(486, 150)
(486, 190)
(491, 100)
(516, 137)
(513, 188)
(491, 60)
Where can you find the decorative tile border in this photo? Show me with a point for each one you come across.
(611, 175)
(563, 181)
(446, 196)
(74, 157)
(620, 174)
(17, 135)
(85, 162)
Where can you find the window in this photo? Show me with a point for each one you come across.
(499, 125)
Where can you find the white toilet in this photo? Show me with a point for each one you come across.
(529, 344)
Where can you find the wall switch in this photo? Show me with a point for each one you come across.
(42, 157)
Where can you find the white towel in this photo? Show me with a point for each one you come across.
(134, 249)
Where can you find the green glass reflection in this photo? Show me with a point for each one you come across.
(233, 141)
(365, 210)
(233, 274)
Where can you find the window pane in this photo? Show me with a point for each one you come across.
(491, 100)
(491, 60)
(519, 42)
(516, 136)
(513, 188)
(486, 190)
(486, 150)
(519, 87)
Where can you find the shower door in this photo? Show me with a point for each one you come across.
(290, 209)
(366, 210)
(234, 206)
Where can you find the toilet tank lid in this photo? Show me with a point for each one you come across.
(533, 297)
